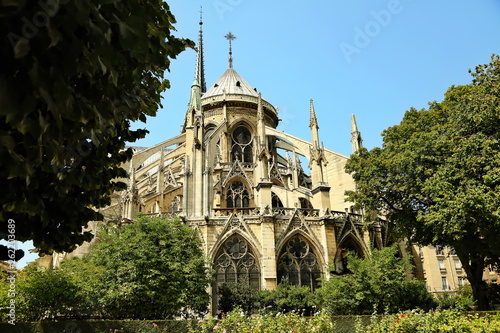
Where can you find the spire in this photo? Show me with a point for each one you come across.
(230, 37)
(200, 67)
(356, 140)
(313, 122)
(261, 126)
(195, 99)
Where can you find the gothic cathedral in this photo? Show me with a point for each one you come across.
(262, 213)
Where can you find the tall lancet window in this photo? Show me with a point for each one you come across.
(237, 196)
(299, 264)
(236, 263)
(241, 148)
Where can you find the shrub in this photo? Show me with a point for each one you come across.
(462, 300)
(287, 298)
(237, 295)
(237, 321)
(378, 283)
(438, 321)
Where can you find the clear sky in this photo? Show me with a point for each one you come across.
(374, 59)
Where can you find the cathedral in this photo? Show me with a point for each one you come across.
(268, 205)
(262, 214)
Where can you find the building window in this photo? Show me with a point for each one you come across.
(305, 204)
(441, 266)
(298, 264)
(461, 281)
(241, 148)
(445, 283)
(458, 264)
(276, 202)
(237, 196)
(236, 263)
(439, 250)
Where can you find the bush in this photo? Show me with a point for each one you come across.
(237, 295)
(378, 284)
(41, 294)
(438, 321)
(237, 321)
(287, 298)
(462, 300)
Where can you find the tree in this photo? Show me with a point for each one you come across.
(150, 269)
(237, 295)
(73, 76)
(378, 283)
(287, 298)
(39, 294)
(437, 175)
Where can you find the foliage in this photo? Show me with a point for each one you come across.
(89, 278)
(439, 321)
(462, 300)
(237, 295)
(101, 326)
(378, 284)
(287, 298)
(151, 269)
(42, 294)
(73, 76)
(437, 176)
(493, 292)
(237, 321)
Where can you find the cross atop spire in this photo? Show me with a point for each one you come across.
(200, 67)
(230, 37)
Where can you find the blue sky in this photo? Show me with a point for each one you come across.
(374, 59)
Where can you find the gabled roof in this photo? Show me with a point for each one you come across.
(232, 83)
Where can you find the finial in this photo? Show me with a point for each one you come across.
(313, 121)
(356, 140)
(200, 67)
(354, 125)
(230, 37)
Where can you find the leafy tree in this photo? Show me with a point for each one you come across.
(89, 278)
(237, 296)
(437, 175)
(378, 283)
(147, 270)
(287, 298)
(461, 300)
(152, 269)
(73, 76)
(44, 294)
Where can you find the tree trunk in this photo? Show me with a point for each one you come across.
(474, 267)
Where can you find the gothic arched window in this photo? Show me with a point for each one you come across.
(299, 264)
(241, 147)
(306, 204)
(237, 196)
(276, 202)
(236, 263)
